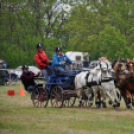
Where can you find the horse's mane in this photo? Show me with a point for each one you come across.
(113, 63)
(122, 60)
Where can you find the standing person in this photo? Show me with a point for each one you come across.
(2, 73)
(41, 59)
(59, 62)
(27, 78)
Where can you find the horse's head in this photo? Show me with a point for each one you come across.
(119, 65)
(130, 65)
(106, 66)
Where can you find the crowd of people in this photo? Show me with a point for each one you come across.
(59, 62)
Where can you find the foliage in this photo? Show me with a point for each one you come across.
(99, 27)
(103, 28)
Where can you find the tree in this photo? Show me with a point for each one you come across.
(91, 20)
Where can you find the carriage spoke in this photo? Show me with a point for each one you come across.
(57, 97)
(40, 97)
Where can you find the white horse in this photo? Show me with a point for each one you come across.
(107, 86)
(98, 79)
(81, 81)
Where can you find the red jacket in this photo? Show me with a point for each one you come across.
(40, 58)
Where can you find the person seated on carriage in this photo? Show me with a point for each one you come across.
(41, 59)
(27, 78)
(59, 62)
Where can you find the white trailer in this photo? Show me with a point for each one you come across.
(77, 57)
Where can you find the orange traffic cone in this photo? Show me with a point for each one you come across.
(21, 93)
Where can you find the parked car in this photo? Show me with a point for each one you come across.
(93, 64)
(18, 70)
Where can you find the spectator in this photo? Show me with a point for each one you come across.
(2, 73)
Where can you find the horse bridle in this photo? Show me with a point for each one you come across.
(106, 69)
(120, 67)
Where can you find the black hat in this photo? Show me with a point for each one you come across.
(24, 67)
(39, 45)
(58, 49)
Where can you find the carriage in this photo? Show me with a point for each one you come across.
(59, 90)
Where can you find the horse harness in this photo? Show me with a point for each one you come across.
(94, 83)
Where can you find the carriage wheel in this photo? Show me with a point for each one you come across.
(40, 97)
(57, 97)
(69, 102)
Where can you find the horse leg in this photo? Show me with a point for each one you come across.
(104, 99)
(122, 92)
(98, 103)
(116, 98)
(129, 97)
(111, 98)
(79, 93)
(90, 98)
(80, 101)
(133, 99)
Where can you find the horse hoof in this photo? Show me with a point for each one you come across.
(90, 104)
(104, 106)
(129, 107)
(116, 108)
(79, 105)
(97, 106)
(110, 103)
(118, 104)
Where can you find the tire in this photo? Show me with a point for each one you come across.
(40, 97)
(57, 97)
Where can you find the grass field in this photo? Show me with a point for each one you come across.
(18, 116)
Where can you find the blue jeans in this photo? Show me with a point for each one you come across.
(64, 71)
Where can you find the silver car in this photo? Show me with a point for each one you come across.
(18, 70)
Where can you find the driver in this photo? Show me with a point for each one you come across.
(27, 78)
(59, 60)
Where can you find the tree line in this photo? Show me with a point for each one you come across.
(100, 27)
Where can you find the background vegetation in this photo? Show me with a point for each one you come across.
(100, 27)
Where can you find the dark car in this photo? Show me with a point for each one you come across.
(93, 64)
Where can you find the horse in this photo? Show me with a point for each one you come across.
(107, 85)
(100, 78)
(130, 65)
(130, 81)
(120, 68)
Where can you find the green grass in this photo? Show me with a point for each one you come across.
(18, 116)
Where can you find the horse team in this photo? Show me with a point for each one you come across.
(103, 80)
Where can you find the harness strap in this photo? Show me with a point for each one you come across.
(92, 83)
(87, 78)
(107, 80)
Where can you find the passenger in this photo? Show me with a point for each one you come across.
(27, 78)
(59, 62)
(41, 59)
